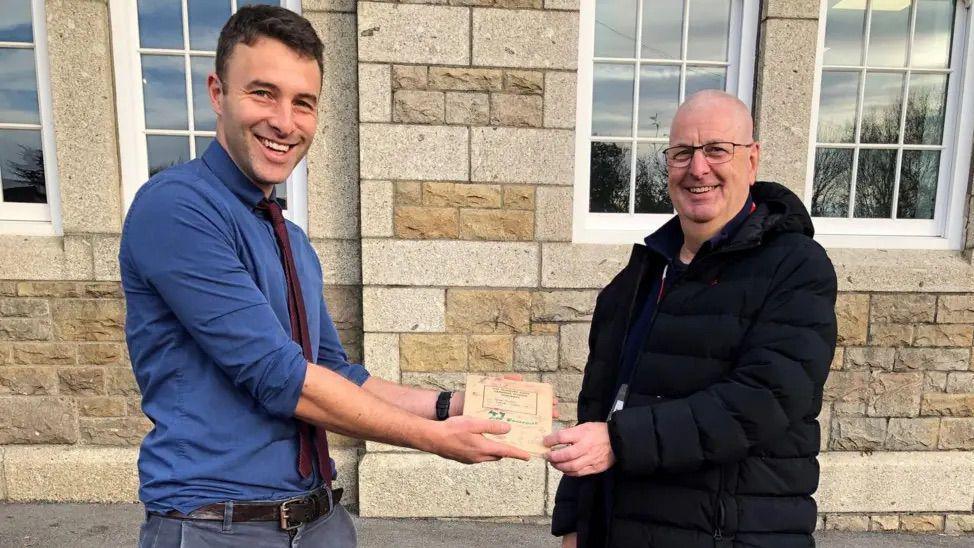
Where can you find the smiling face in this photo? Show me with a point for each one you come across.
(707, 197)
(266, 109)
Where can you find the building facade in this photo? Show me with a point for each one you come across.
(482, 168)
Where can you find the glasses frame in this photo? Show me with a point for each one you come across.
(695, 148)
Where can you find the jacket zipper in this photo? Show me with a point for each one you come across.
(721, 507)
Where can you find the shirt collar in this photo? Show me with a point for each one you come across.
(731, 227)
(222, 165)
(669, 238)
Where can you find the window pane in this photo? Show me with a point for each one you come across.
(925, 109)
(844, 32)
(889, 33)
(615, 28)
(837, 107)
(15, 24)
(659, 95)
(662, 29)
(161, 24)
(611, 167)
(22, 166)
(931, 39)
(281, 194)
(164, 87)
(874, 183)
(202, 143)
(18, 87)
(708, 29)
(918, 184)
(166, 151)
(882, 101)
(652, 195)
(833, 174)
(700, 78)
(203, 116)
(612, 100)
(206, 18)
(242, 3)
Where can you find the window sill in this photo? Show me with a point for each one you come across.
(902, 270)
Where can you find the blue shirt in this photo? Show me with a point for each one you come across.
(208, 331)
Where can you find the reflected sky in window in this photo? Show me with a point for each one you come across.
(203, 116)
(844, 32)
(925, 109)
(15, 24)
(662, 29)
(18, 87)
(889, 34)
(708, 31)
(164, 87)
(206, 18)
(166, 151)
(161, 24)
(659, 95)
(615, 28)
(881, 103)
(837, 107)
(612, 100)
(934, 29)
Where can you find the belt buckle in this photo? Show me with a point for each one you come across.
(313, 500)
(286, 515)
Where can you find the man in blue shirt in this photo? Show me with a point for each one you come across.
(238, 361)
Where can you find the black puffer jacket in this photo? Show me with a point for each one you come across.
(717, 443)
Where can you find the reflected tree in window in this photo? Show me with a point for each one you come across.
(28, 176)
(609, 191)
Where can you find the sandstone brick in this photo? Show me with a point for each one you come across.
(519, 197)
(435, 381)
(103, 290)
(838, 358)
(912, 434)
(846, 386)
(890, 334)
(895, 394)
(523, 81)
(947, 405)
(461, 195)
(5, 354)
(565, 386)
(488, 311)
(425, 222)
(900, 308)
(490, 353)
(118, 431)
(935, 381)
(408, 193)
(24, 329)
(922, 523)
(507, 109)
(825, 425)
(468, 108)
(496, 224)
(89, 319)
(27, 381)
(409, 77)
(351, 340)
(82, 381)
(43, 353)
(959, 523)
(858, 433)
(888, 522)
(535, 353)
(344, 305)
(563, 306)
(955, 309)
(958, 382)
(852, 314)
(338, 440)
(849, 408)
(433, 352)
(8, 289)
(121, 382)
(24, 308)
(49, 289)
(102, 406)
(574, 346)
(939, 359)
(846, 523)
(133, 407)
(466, 79)
(957, 433)
(944, 335)
(418, 107)
(545, 328)
(859, 357)
(38, 420)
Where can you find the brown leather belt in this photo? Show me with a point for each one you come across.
(290, 514)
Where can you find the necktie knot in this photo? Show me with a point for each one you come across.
(273, 210)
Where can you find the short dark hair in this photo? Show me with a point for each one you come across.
(283, 25)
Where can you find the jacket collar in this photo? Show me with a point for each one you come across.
(669, 238)
(222, 165)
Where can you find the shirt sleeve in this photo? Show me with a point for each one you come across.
(180, 242)
(332, 355)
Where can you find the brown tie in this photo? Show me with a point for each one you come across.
(308, 434)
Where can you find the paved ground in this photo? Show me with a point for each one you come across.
(116, 525)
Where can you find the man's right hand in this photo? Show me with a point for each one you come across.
(461, 439)
(569, 541)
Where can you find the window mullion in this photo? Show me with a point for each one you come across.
(188, 79)
(904, 102)
(635, 109)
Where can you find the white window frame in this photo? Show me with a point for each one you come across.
(588, 227)
(946, 230)
(131, 107)
(37, 219)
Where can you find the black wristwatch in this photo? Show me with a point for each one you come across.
(443, 405)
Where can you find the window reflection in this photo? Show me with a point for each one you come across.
(18, 87)
(659, 95)
(15, 24)
(611, 168)
(652, 195)
(203, 116)
(934, 29)
(918, 184)
(882, 101)
(708, 30)
(833, 177)
(612, 100)
(615, 28)
(166, 151)
(844, 31)
(164, 88)
(206, 18)
(925, 109)
(874, 183)
(22, 166)
(160, 24)
(836, 113)
(662, 29)
(889, 33)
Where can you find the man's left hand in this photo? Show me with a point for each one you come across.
(588, 449)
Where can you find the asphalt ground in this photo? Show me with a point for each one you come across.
(117, 525)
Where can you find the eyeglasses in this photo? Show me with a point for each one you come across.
(715, 153)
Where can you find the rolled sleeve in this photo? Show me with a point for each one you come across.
(181, 244)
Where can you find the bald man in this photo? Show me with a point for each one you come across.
(707, 357)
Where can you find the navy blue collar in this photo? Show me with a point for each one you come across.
(669, 238)
(222, 165)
